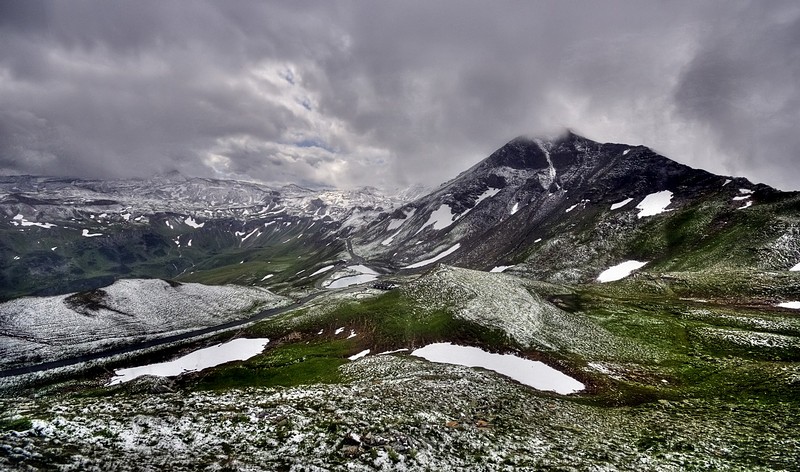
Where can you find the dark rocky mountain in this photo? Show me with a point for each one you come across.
(545, 206)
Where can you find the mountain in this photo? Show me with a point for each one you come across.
(564, 209)
(646, 319)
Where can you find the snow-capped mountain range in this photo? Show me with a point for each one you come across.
(559, 209)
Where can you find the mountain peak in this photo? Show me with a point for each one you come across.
(521, 152)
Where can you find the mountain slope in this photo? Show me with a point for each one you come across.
(564, 209)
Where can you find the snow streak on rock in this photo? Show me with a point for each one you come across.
(438, 257)
(621, 204)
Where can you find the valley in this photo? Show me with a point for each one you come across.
(668, 293)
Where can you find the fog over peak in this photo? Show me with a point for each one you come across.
(391, 93)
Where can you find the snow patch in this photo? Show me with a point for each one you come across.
(619, 271)
(86, 234)
(621, 204)
(531, 373)
(236, 350)
(352, 280)
(191, 222)
(501, 268)
(392, 352)
(324, 269)
(442, 255)
(625, 152)
(515, 208)
(582, 202)
(796, 268)
(390, 239)
(792, 305)
(19, 220)
(352, 334)
(654, 203)
(441, 218)
(359, 355)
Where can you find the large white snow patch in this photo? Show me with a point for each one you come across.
(654, 203)
(792, 305)
(236, 350)
(619, 271)
(500, 268)
(440, 219)
(532, 373)
(795, 268)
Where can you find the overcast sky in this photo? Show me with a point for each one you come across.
(389, 93)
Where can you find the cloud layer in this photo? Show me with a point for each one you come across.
(391, 93)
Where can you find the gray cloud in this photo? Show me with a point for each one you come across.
(390, 93)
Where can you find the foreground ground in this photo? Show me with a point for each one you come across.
(674, 382)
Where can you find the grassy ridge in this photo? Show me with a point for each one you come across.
(302, 355)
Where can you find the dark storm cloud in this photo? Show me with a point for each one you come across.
(386, 93)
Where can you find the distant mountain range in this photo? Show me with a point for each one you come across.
(560, 209)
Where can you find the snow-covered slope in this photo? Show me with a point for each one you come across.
(39, 329)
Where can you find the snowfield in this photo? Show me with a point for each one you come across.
(531, 373)
(619, 271)
(40, 329)
(235, 350)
